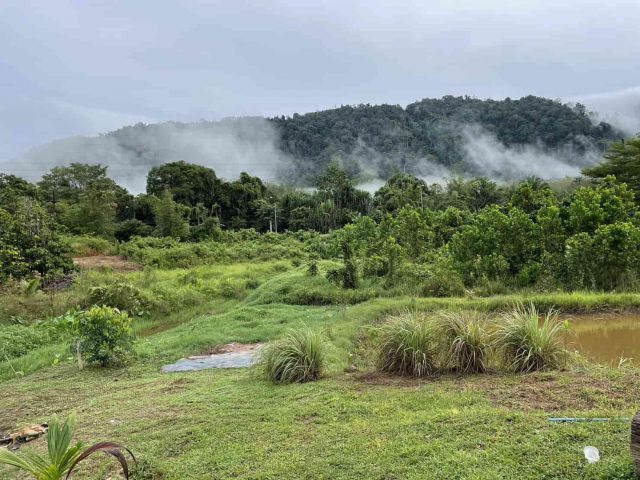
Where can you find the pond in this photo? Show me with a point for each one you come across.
(606, 338)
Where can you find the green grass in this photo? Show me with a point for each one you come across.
(227, 424)
(230, 424)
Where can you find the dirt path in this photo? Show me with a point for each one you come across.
(117, 263)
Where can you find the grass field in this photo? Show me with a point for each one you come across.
(356, 424)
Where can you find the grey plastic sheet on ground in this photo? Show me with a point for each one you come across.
(242, 358)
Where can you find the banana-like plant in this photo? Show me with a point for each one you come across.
(62, 457)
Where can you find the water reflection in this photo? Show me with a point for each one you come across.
(606, 338)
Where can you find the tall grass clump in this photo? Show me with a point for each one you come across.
(466, 340)
(299, 356)
(529, 343)
(407, 345)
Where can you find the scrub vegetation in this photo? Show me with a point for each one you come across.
(411, 334)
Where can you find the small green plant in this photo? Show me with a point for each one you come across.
(334, 275)
(313, 268)
(123, 296)
(466, 340)
(529, 343)
(62, 458)
(350, 271)
(407, 345)
(300, 356)
(103, 336)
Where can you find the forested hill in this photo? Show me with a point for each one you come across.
(434, 129)
(370, 141)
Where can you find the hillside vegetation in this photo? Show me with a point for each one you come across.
(369, 141)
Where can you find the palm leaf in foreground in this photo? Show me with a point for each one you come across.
(62, 457)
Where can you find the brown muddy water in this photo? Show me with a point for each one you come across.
(606, 338)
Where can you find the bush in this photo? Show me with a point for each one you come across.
(407, 346)
(527, 344)
(122, 296)
(300, 356)
(87, 246)
(466, 341)
(349, 272)
(132, 228)
(374, 266)
(334, 275)
(442, 282)
(313, 268)
(103, 335)
(30, 243)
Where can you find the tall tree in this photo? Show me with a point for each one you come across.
(189, 184)
(623, 162)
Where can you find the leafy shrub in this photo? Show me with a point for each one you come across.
(87, 246)
(240, 246)
(466, 340)
(443, 282)
(313, 268)
(123, 296)
(527, 343)
(374, 266)
(29, 243)
(349, 271)
(334, 275)
(407, 346)
(103, 335)
(608, 259)
(132, 228)
(299, 356)
(230, 289)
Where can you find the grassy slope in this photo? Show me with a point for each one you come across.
(226, 424)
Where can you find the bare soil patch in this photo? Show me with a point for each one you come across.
(233, 348)
(116, 263)
(545, 391)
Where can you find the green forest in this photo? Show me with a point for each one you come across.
(368, 141)
(444, 238)
(432, 325)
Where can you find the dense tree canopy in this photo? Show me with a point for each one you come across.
(623, 162)
(390, 139)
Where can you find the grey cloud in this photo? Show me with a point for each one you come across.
(198, 59)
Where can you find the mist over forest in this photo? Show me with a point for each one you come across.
(435, 139)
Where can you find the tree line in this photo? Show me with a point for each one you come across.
(480, 229)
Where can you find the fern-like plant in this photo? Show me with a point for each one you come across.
(62, 458)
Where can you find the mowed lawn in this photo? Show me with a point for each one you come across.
(229, 424)
(220, 424)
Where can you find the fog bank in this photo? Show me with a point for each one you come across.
(230, 147)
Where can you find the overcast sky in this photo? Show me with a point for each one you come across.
(84, 67)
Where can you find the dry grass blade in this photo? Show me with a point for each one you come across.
(110, 448)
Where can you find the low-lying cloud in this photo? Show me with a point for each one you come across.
(230, 147)
(490, 158)
(620, 108)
